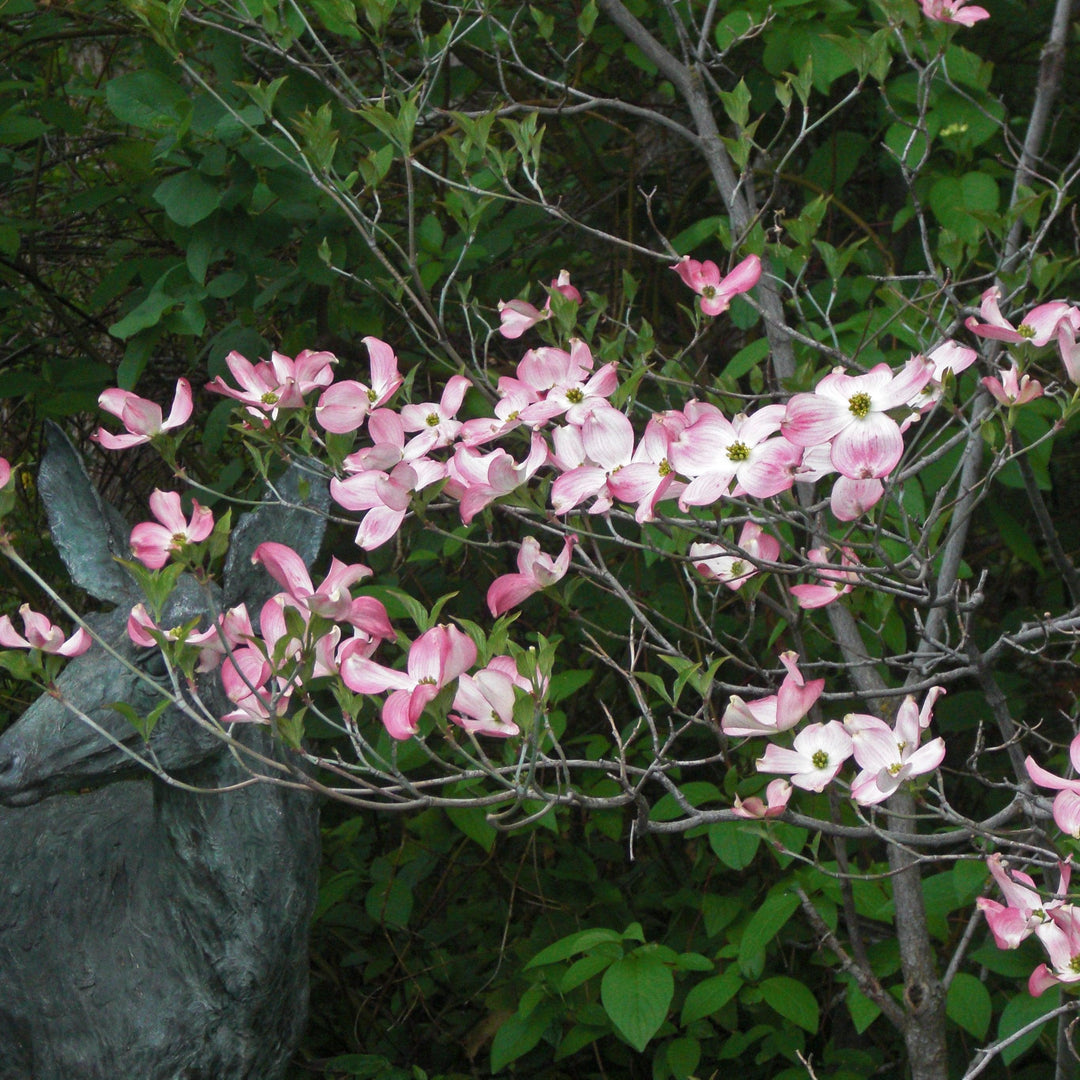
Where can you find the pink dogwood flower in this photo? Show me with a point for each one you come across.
(477, 479)
(1067, 802)
(152, 543)
(734, 569)
(840, 581)
(42, 635)
(777, 712)
(734, 456)
(953, 11)
(949, 357)
(650, 478)
(1038, 326)
(851, 412)
(517, 316)
(890, 756)
(485, 701)
(1013, 388)
(607, 439)
(435, 420)
(141, 417)
(280, 383)
(1070, 350)
(536, 571)
(1060, 936)
(332, 599)
(248, 680)
(436, 659)
(777, 796)
(717, 292)
(384, 495)
(1024, 909)
(817, 755)
(233, 628)
(344, 405)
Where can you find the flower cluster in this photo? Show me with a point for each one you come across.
(851, 426)
(887, 757)
(1054, 922)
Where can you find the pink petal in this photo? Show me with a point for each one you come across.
(868, 447)
(285, 567)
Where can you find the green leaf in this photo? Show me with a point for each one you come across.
(863, 1011)
(517, 1037)
(733, 843)
(763, 926)
(683, 1056)
(187, 198)
(737, 104)
(572, 944)
(566, 683)
(968, 1004)
(143, 315)
(695, 792)
(710, 996)
(792, 1000)
(746, 359)
(472, 821)
(587, 19)
(1017, 1014)
(148, 100)
(584, 969)
(636, 992)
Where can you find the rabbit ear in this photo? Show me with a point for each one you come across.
(88, 533)
(294, 512)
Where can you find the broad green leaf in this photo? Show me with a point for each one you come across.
(636, 991)
(746, 359)
(695, 792)
(602, 956)
(472, 821)
(763, 926)
(683, 1056)
(968, 1004)
(187, 198)
(734, 843)
(143, 315)
(792, 1000)
(710, 995)
(863, 1011)
(572, 944)
(1017, 1014)
(517, 1037)
(148, 100)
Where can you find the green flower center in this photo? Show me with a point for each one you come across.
(859, 405)
(575, 396)
(429, 679)
(1025, 330)
(269, 398)
(1074, 964)
(820, 759)
(178, 540)
(432, 420)
(738, 451)
(894, 768)
(738, 568)
(664, 469)
(708, 291)
(372, 396)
